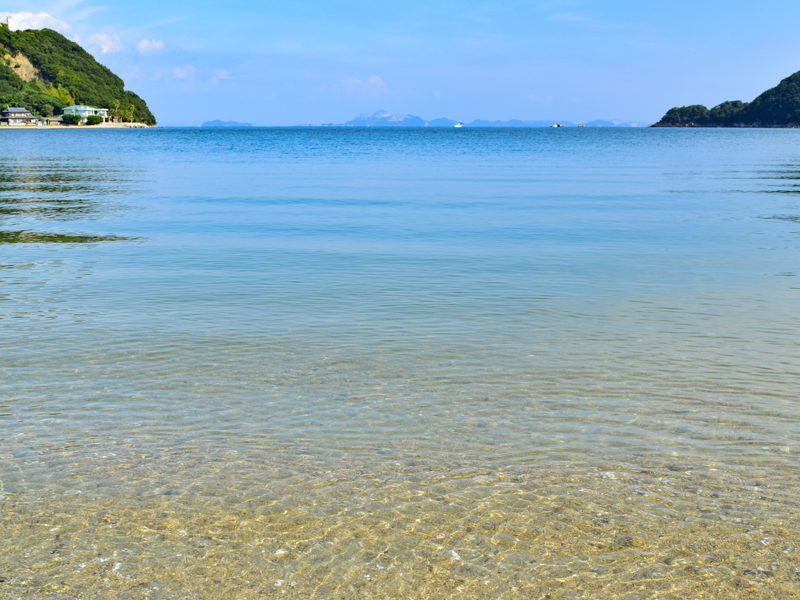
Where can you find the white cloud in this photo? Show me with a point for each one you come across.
(377, 81)
(184, 72)
(108, 44)
(374, 86)
(218, 75)
(29, 20)
(147, 47)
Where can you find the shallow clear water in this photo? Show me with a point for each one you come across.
(413, 363)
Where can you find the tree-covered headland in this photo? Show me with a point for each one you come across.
(777, 107)
(43, 71)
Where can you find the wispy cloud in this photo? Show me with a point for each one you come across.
(28, 20)
(184, 72)
(59, 6)
(131, 73)
(148, 47)
(372, 87)
(83, 14)
(108, 44)
(164, 22)
(571, 17)
(586, 20)
(219, 74)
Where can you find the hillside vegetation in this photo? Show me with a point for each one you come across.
(777, 107)
(43, 71)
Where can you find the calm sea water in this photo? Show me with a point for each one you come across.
(412, 363)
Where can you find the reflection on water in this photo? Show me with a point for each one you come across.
(791, 218)
(778, 185)
(436, 364)
(34, 237)
(37, 192)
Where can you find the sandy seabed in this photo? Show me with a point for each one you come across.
(176, 528)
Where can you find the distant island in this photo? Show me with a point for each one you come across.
(218, 123)
(45, 72)
(777, 107)
(386, 119)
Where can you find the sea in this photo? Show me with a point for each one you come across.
(399, 363)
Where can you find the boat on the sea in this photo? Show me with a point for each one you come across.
(558, 125)
(459, 124)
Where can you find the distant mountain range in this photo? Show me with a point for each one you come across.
(777, 107)
(219, 123)
(385, 119)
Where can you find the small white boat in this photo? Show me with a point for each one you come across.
(459, 124)
(558, 125)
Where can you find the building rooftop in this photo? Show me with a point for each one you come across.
(83, 107)
(15, 109)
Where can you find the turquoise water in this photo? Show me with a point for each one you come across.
(416, 330)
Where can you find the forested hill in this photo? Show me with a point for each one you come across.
(777, 107)
(43, 71)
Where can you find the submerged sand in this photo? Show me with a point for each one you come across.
(221, 526)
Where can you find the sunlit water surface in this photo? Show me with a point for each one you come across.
(399, 364)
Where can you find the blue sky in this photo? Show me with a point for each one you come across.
(308, 61)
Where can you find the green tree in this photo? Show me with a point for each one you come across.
(778, 106)
(726, 113)
(65, 67)
(64, 94)
(697, 114)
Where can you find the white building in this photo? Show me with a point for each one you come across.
(86, 111)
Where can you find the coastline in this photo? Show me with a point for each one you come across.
(79, 127)
(719, 126)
